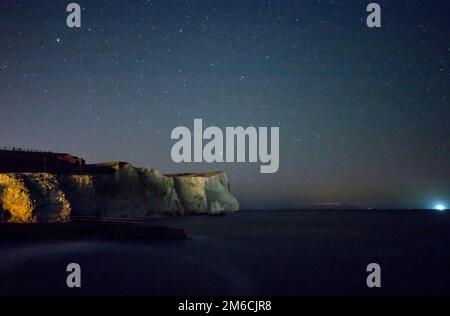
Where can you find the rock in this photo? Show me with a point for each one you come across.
(33, 198)
(205, 193)
(126, 192)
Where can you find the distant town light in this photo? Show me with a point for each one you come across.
(440, 207)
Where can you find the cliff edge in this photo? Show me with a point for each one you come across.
(123, 192)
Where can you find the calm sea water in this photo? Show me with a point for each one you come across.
(249, 253)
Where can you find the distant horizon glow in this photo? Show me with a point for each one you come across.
(440, 207)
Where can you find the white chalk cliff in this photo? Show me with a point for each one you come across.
(128, 192)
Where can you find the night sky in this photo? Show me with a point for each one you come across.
(364, 114)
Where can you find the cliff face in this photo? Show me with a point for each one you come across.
(32, 198)
(128, 192)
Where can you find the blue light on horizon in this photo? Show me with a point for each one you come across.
(440, 207)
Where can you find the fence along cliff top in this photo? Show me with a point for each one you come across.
(18, 149)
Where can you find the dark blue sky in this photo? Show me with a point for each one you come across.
(363, 113)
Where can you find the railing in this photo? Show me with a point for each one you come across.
(29, 150)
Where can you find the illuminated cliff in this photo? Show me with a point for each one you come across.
(31, 198)
(124, 191)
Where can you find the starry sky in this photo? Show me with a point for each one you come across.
(363, 113)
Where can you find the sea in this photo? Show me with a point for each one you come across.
(251, 253)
